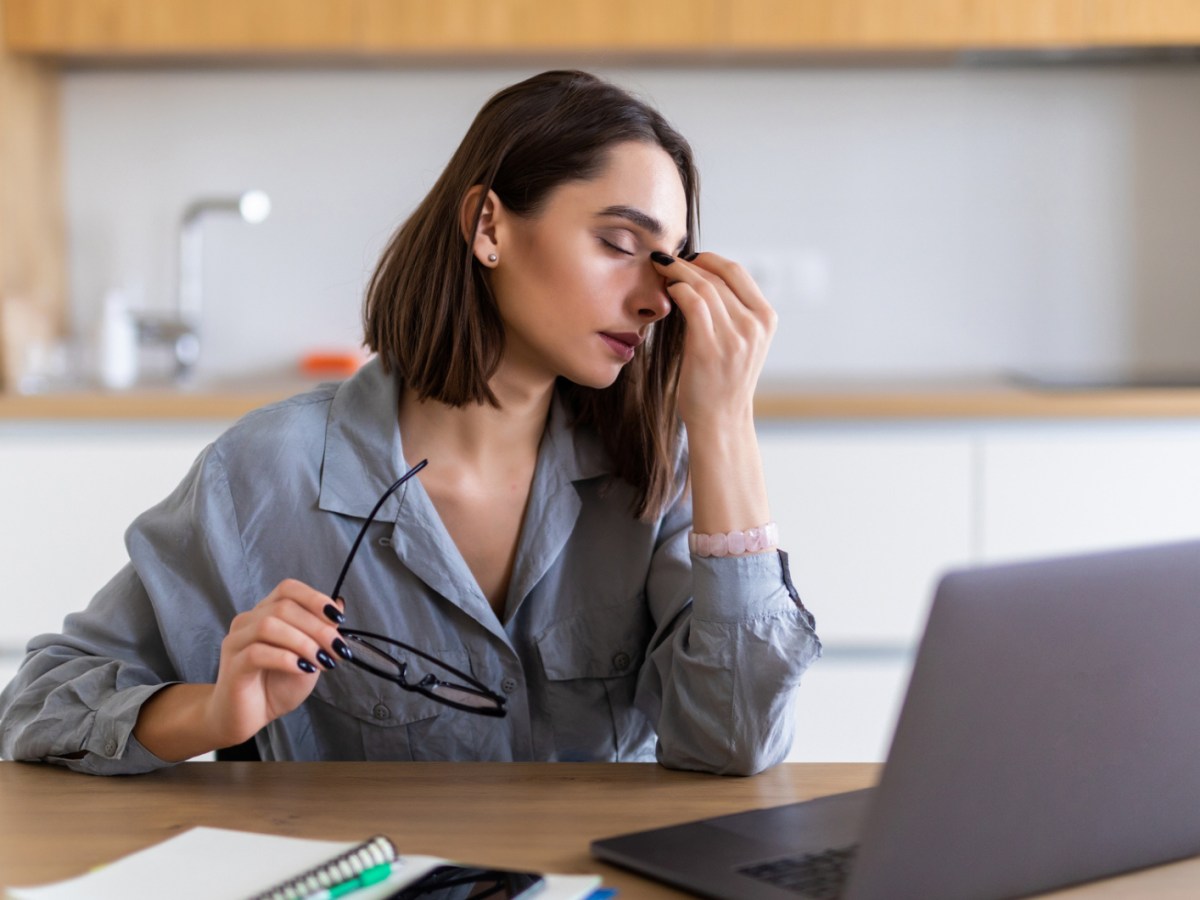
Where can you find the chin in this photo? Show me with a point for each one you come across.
(597, 380)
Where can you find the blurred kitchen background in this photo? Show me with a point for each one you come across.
(979, 235)
(967, 218)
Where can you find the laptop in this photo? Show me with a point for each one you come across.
(1050, 735)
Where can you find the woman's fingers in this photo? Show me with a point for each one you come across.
(292, 617)
(271, 658)
(281, 632)
(268, 659)
(704, 287)
(697, 311)
(733, 301)
(724, 285)
(729, 329)
(739, 281)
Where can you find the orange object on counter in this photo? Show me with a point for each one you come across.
(321, 363)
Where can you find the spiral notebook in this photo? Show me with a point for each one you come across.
(220, 864)
(330, 872)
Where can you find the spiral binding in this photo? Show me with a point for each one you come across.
(375, 852)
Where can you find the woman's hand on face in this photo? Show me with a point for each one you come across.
(271, 658)
(729, 329)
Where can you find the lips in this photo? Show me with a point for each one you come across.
(623, 343)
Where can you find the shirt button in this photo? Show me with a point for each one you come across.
(621, 661)
(508, 685)
(110, 748)
(381, 712)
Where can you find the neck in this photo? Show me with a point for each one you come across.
(479, 436)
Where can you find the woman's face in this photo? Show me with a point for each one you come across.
(574, 284)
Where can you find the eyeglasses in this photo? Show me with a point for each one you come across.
(406, 666)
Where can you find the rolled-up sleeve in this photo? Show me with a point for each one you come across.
(77, 695)
(732, 641)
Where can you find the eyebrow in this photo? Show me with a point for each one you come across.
(645, 221)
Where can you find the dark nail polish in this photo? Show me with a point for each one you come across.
(690, 256)
(340, 648)
(326, 660)
(661, 258)
(333, 614)
(306, 666)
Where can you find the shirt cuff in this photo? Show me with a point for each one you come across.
(111, 748)
(738, 588)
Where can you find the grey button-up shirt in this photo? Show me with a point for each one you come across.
(615, 643)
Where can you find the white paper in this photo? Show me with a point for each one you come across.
(219, 864)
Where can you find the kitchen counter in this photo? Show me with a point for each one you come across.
(778, 400)
(223, 399)
(969, 400)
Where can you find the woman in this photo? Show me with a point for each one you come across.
(544, 337)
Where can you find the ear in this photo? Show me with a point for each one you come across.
(484, 240)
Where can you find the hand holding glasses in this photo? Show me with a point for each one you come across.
(404, 665)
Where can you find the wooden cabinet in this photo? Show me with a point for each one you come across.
(32, 242)
(349, 28)
(916, 25)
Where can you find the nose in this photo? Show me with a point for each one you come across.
(653, 301)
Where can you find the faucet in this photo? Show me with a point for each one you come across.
(180, 329)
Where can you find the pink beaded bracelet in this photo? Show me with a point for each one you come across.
(735, 543)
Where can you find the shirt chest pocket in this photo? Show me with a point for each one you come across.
(375, 719)
(590, 663)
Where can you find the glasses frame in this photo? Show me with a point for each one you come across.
(428, 684)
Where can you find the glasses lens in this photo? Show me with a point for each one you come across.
(453, 693)
(371, 657)
(434, 679)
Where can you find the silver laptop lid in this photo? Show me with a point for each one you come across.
(1050, 733)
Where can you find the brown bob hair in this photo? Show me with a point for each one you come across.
(430, 313)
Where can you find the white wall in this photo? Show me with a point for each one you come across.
(971, 219)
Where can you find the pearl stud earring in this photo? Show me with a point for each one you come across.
(492, 257)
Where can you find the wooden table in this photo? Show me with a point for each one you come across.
(55, 824)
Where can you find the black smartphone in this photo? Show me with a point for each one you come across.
(462, 882)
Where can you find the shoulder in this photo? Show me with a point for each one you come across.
(294, 425)
(330, 431)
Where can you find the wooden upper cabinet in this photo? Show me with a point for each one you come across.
(916, 25)
(32, 235)
(515, 26)
(351, 28)
(167, 27)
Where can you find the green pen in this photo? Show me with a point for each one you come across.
(370, 876)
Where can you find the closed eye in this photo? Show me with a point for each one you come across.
(611, 246)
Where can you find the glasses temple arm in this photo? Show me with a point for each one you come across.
(362, 532)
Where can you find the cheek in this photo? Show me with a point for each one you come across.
(586, 282)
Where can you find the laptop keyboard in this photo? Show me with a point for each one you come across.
(818, 875)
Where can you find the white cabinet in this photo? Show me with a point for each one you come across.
(871, 515)
(847, 705)
(68, 491)
(1056, 488)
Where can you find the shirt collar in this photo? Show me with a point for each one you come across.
(364, 453)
